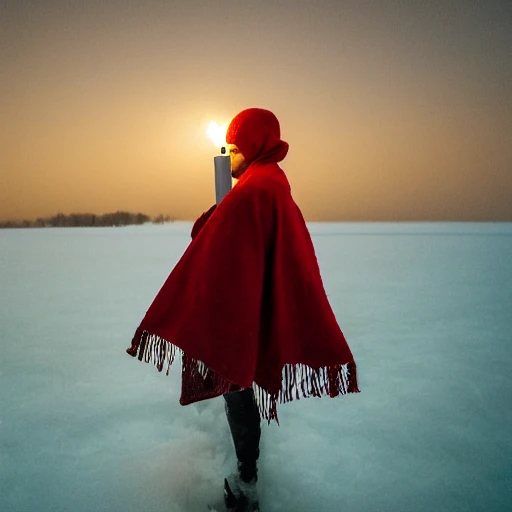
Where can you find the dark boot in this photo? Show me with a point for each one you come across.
(240, 496)
(240, 492)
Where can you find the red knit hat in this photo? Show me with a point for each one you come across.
(257, 134)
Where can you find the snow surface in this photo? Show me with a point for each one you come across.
(426, 308)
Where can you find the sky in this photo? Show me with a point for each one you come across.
(425, 309)
(394, 111)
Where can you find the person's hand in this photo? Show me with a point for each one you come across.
(201, 221)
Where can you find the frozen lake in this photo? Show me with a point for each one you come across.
(427, 311)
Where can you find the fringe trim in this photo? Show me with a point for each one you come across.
(150, 348)
(302, 381)
(198, 382)
(298, 380)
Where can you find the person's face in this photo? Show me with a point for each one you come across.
(238, 162)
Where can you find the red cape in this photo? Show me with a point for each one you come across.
(246, 306)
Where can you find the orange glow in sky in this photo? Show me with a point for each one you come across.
(393, 111)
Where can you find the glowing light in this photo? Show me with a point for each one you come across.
(217, 134)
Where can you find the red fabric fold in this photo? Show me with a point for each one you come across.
(201, 221)
(246, 303)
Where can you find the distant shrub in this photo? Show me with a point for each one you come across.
(73, 220)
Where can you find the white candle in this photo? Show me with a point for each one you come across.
(222, 163)
(222, 166)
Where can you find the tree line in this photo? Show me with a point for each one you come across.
(73, 220)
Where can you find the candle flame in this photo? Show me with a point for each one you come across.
(217, 134)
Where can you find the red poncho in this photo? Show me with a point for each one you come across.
(245, 305)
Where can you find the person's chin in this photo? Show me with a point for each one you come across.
(236, 173)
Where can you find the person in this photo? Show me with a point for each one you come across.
(245, 306)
